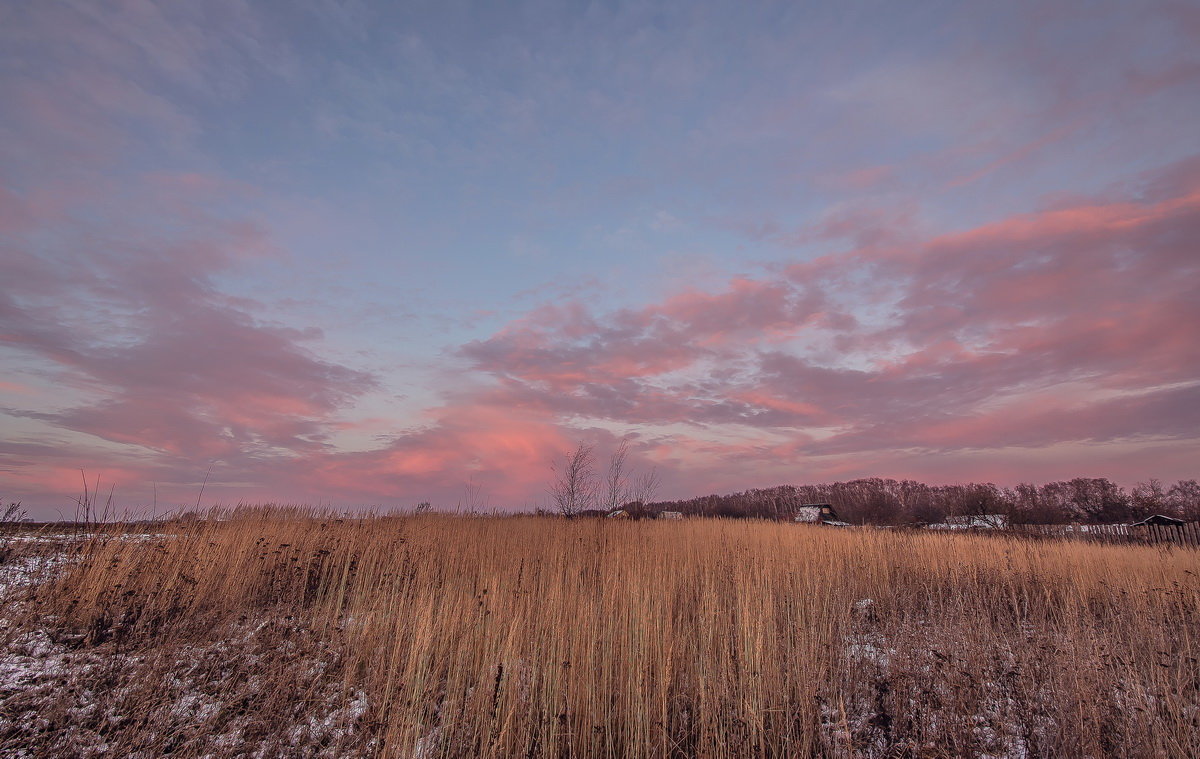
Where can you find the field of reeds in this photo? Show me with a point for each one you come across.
(273, 632)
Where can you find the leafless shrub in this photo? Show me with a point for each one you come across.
(11, 515)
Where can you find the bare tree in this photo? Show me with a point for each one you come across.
(1184, 499)
(575, 487)
(616, 482)
(1148, 498)
(645, 486)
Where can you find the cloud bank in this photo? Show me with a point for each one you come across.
(1047, 332)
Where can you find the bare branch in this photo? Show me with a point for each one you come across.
(616, 482)
(645, 487)
(575, 487)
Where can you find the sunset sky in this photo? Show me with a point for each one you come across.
(359, 253)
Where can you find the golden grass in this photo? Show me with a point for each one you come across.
(541, 637)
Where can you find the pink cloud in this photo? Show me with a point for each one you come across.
(506, 451)
(1099, 292)
(1061, 331)
(124, 316)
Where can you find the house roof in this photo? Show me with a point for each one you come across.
(1159, 520)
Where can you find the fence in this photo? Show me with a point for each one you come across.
(1184, 535)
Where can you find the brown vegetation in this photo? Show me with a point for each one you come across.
(299, 634)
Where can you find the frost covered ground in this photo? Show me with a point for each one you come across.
(58, 701)
(918, 672)
(59, 697)
(931, 671)
(64, 696)
(262, 687)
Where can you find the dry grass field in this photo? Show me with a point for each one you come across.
(275, 632)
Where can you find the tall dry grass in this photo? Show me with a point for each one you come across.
(549, 638)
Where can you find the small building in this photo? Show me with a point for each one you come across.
(817, 513)
(974, 522)
(618, 514)
(671, 515)
(1159, 520)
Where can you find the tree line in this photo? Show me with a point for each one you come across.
(876, 500)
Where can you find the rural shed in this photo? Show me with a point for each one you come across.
(670, 515)
(1159, 520)
(979, 521)
(816, 513)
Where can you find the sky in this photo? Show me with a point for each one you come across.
(371, 254)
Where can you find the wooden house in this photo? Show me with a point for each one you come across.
(816, 513)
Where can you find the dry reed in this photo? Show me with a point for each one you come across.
(539, 637)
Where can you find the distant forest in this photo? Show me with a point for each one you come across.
(897, 502)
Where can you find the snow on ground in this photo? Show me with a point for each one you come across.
(906, 679)
(59, 697)
(29, 658)
(429, 744)
(211, 698)
(27, 570)
(208, 699)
